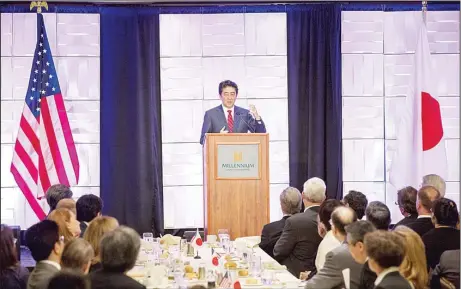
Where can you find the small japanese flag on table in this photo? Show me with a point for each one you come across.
(197, 241)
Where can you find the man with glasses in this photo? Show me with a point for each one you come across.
(46, 247)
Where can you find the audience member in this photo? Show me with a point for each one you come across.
(357, 201)
(68, 279)
(444, 236)
(339, 259)
(67, 204)
(447, 269)
(69, 227)
(414, 265)
(77, 255)
(435, 181)
(386, 251)
(94, 233)
(46, 247)
(379, 215)
(297, 246)
(55, 193)
(12, 274)
(356, 233)
(119, 251)
(406, 200)
(423, 224)
(290, 202)
(89, 207)
(329, 241)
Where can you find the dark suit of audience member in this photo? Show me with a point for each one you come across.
(444, 236)
(393, 280)
(406, 200)
(14, 278)
(425, 199)
(111, 280)
(367, 277)
(297, 246)
(421, 225)
(447, 268)
(83, 227)
(271, 234)
(406, 221)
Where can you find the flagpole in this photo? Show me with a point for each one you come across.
(424, 11)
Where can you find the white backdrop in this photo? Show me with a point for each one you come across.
(197, 52)
(74, 42)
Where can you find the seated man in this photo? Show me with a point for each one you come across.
(290, 202)
(89, 207)
(425, 199)
(385, 251)
(298, 244)
(406, 199)
(379, 215)
(339, 259)
(357, 201)
(56, 193)
(46, 247)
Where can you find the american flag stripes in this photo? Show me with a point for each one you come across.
(226, 281)
(44, 152)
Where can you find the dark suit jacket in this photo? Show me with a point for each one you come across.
(367, 277)
(447, 268)
(407, 220)
(214, 120)
(394, 280)
(41, 276)
(437, 241)
(271, 234)
(421, 225)
(14, 278)
(331, 275)
(108, 280)
(297, 246)
(83, 227)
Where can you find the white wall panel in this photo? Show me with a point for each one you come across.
(375, 191)
(74, 41)
(197, 53)
(363, 76)
(362, 32)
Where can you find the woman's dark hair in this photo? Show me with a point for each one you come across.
(445, 212)
(406, 199)
(326, 208)
(8, 257)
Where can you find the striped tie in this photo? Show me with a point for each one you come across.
(230, 121)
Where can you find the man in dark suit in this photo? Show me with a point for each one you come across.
(46, 248)
(355, 235)
(426, 197)
(448, 268)
(406, 200)
(297, 246)
(228, 118)
(386, 251)
(290, 202)
(340, 258)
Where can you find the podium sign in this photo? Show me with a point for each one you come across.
(238, 161)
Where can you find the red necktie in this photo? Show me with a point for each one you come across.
(230, 121)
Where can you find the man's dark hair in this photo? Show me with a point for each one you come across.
(356, 231)
(69, 279)
(406, 198)
(341, 217)
(228, 83)
(379, 215)
(385, 248)
(445, 212)
(357, 201)
(427, 195)
(56, 193)
(325, 211)
(41, 238)
(88, 207)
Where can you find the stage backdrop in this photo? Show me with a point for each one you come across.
(197, 52)
(74, 42)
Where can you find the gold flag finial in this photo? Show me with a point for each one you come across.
(39, 5)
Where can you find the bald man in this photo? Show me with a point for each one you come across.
(68, 204)
(339, 259)
(427, 195)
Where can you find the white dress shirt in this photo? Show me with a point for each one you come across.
(328, 243)
(387, 271)
(52, 263)
(311, 207)
(424, 216)
(226, 114)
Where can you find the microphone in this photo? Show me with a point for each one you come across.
(252, 128)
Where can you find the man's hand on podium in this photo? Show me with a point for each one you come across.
(223, 130)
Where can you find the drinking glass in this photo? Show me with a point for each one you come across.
(255, 266)
(223, 233)
(148, 237)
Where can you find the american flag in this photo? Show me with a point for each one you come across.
(226, 281)
(44, 152)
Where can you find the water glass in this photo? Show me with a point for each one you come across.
(148, 237)
(267, 276)
(255, 266)
(223, 233)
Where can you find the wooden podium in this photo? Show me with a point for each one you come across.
(236, 183)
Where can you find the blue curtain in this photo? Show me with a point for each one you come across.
(314, 96)
(131, 145)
